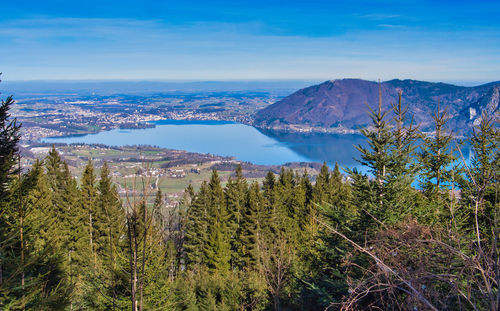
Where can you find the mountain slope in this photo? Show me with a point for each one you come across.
(341, 105)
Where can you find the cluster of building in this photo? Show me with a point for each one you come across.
(58, 119)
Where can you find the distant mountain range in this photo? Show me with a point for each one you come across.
(341, 105)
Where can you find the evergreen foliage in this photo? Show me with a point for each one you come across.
(288, 242)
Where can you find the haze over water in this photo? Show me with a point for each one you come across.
(244, 142)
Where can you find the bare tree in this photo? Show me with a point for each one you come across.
(138, 222)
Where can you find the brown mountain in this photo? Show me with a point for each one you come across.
(342, 104)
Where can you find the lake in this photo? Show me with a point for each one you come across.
(244, 142)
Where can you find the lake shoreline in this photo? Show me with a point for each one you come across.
(229, 138)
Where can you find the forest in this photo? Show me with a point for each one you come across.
(417, 230)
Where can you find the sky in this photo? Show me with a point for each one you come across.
(450, 41)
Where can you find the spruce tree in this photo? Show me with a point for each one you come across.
(305, 180)
(328, 269)
(321, 192)
(195, 229)
(108, 279)
(438, 171)
(71, 231)
(322, 188)
(268, 186)
(235, 192)
(480, 187)
(179, 230)
(157, 211)
(217, 248)
(252, 224)
(9, 137)
(402, 169)
(50, 261)
(88, 194)
(284, 213)
(377, 158)
(37, 278)
(436, 157)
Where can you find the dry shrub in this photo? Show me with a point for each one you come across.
(408, 267)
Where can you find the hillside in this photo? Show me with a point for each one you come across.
(341, 105)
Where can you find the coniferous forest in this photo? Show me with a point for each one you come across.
(419, 231)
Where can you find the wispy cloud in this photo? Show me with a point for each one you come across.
(380, 16)
(393, 26)
(43, 47)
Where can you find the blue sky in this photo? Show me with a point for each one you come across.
(453, 41)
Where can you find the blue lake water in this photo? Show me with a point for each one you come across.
(244, 142)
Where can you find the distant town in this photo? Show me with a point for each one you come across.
(61, 115)
(169, 170)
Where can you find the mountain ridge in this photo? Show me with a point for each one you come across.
(340, 105)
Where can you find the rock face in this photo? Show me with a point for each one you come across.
(342, 105)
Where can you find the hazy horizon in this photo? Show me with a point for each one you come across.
(241, 82)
